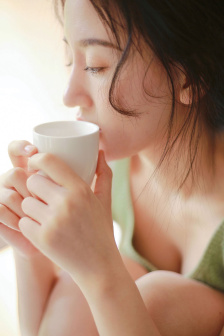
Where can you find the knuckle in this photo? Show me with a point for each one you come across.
(18, 173)
(80, 199)
(79, 196)
(12, 196)
(63, 209)
(16, 146)
(50, 236)
(15, 174)
(45, 158)
(9, 174)
(3, 179)
(30, 181)
(67, 205)
(83, 192)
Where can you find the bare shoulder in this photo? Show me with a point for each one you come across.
(181, 306)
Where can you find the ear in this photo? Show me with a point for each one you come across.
(185, 93)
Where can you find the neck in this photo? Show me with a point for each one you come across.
(205, 174)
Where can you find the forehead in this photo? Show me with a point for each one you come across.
(82, 21)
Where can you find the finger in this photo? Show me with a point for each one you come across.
(35, 209)
(43, 188)
(8, 218)
(12, 200)
(19, 151)
(11, 237)
(17, 241)
(56, 169)
(103, 181)
(16, 178)
(31, 230)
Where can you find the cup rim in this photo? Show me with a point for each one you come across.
(95, 128)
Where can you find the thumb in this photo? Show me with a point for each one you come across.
(103, 181)
(19, 151)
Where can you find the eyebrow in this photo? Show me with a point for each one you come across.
(95, 42)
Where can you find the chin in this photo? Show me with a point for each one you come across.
(115, 153)
(113, 156)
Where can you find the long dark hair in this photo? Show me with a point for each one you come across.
(185, 35)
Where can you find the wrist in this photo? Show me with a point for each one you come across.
(34, 260)
(107, 280)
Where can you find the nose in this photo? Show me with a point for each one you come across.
(77, 93)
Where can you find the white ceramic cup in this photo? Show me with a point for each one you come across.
(75, 142)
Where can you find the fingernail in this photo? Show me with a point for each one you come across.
(29, 148)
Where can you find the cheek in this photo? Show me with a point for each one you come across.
(140, 86)
(114, 138)
(126, 136)
(157, 85)
(129, 93)
(123, 138)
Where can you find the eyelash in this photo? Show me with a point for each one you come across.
(92, 70)
(95, 70)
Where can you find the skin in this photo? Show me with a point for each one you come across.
(53, 222)
(91, 92)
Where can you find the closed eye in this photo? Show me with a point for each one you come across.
(92, 70)
(95, 70)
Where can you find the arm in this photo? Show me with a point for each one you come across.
(118, 308)
(75, 231)
(35, 273)
(36, 277)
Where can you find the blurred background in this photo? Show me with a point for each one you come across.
(33, 77)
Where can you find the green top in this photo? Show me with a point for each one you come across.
(210, 269)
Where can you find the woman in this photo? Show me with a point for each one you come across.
(150, 74)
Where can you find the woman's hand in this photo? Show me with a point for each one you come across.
(67, 221)
(12, 192)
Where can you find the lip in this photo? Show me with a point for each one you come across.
(81, 119)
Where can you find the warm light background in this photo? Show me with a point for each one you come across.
(32, 72)
(32, 80)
